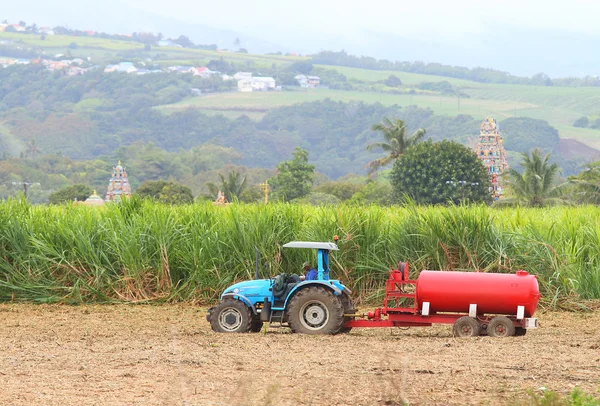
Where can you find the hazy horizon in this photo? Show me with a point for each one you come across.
(522, 38)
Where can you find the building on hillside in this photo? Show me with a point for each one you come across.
(490, 150)
(308, 81)
(127, 67)
(76, 71)
(204, 72)
(46, 31)
(118, 187)
(256, 84)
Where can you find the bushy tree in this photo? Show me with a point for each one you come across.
(294, 178)
(301, 67)
(581, 122)
(174, 193)
(70, 193)
(393, 81)
(440, 172)
(151, 189)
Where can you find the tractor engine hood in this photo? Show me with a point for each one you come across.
(257, 287)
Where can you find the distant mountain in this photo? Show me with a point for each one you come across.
(512, 49)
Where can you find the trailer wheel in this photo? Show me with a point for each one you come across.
(231, 316)
(520, 331)
(501, 326)
(348, 309)
(315, 310)
(466, 327)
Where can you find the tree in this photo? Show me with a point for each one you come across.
(393, 81)
(303, 67)
(151, 188)
(70, 193)
(232, 187)
(396, 143)
(534, 187)
(174, 193)
(440, 172)
(294, 178)
(32, 149)
(184, 41)
(586, 184)
(521, 134)
(237, 42)
(581, 122)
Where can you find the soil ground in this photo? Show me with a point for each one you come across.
(168, 355)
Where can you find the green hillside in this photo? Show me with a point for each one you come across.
(100, 117)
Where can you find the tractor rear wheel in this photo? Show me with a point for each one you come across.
(466, 327)
(501, 326)
(231, 316)
(315, 310)
(348, 309)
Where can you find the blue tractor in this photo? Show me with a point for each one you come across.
(320, 306)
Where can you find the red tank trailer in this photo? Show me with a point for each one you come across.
(477, 303)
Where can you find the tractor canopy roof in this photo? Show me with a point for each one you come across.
(329, 246)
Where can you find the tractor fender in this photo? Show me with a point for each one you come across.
(241, 298)
(301, 286)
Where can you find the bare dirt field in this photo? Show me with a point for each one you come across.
(155, 355)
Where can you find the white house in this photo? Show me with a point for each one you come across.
(245, 85)
(308, 81)
(256, 84)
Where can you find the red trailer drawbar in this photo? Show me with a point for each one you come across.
(475, 302)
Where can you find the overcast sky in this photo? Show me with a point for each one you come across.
(312, 25)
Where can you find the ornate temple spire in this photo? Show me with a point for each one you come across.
(490, 150)
(118, 186)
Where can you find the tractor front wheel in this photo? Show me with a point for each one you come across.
(315, 310)
(231, 316)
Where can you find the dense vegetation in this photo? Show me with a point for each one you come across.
(140, 251)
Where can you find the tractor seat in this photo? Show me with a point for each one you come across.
(283, 284)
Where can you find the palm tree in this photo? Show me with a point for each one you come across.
(534, 187)
(232, 187)
(396, 143)
(586, 185)
(32, 149)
